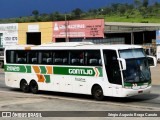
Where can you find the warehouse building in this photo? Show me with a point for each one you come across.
(133, 33)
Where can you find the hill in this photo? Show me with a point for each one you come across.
(139, 12)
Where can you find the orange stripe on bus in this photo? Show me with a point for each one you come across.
(36, 69)
(40, 78)
(49, 69)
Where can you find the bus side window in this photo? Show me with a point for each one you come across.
(10, 56)
(77, 57)
(58, 60)
(21, 60)
(33, 57)
(93, 58)
(65, 60)
(46, 57)
(21, 57)
(61, 57)
(49, 60)
(100, 61)
(34, 60)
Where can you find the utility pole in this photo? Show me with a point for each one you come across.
(66, 28)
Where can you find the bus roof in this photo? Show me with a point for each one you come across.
(74, 45)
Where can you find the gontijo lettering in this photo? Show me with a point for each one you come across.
(80, 71)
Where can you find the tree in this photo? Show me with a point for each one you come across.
(121, 9)
(106, 11)
(35, 13)
(137, 3)
(114, 7)
(77, 12)
(56, 16)
(145, 3)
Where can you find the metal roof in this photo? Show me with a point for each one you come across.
(132, 24)
(119, 27)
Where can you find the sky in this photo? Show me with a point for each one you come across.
(19, 8)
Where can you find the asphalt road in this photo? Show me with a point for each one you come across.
(149, 101)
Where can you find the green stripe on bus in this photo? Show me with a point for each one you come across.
(138, 84)
(78, 71)
(28, 69)
(43, 70)
(47, 77)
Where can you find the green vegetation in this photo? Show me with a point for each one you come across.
(140, 11)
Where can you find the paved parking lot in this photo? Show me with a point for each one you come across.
(1, 70)
(155, 72)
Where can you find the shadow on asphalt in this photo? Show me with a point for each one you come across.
(138, 98)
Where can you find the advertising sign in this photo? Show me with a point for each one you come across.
(33, 28)
(158, 37)
(78, 28)
(9, 34)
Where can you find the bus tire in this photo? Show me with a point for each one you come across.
(97, 93)
(33, 87)
(24, 86)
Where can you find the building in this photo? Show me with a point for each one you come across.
(8, 34)
(134, 33)
(35, 33)
(95, 30)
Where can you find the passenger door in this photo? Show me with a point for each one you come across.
(113, 71)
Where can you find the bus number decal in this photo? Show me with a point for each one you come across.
(13, 68)
(16, 68)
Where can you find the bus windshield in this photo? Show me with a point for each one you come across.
(137, 66)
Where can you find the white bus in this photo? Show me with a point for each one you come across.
(84, 68)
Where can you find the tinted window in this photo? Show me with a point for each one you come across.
(33, 57)
(55, 57)
(46, 57)
(77, 57)
(112, 66)
(10, 56)
(60, 57)
(93, 58)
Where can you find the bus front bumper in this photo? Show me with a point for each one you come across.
(132, 92)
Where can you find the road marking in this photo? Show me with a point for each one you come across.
(80, 100)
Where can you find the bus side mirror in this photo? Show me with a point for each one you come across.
(123, 63)
(152, 62)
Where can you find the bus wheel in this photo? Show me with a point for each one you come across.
(24, 86)
(98, 93)
(34, 87)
